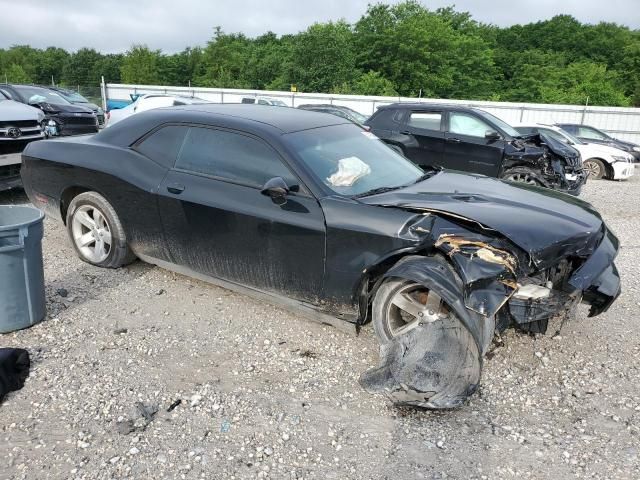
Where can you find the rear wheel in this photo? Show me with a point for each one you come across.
(96, 232)
(521, 175)
(595, 168)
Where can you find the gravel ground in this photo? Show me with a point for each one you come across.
(266, 394)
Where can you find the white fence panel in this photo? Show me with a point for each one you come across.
(623, 123)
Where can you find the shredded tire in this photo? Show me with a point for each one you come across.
(436, 365)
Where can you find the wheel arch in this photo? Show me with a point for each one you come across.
(71, 192)
(607, 166)
(373, 276)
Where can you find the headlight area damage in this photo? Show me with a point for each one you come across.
(542, 160)
(487, 283)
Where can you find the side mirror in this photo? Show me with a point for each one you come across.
(492, 135)
(277, 189)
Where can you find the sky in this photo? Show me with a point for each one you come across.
(114, 25)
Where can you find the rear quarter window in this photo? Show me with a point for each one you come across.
(163, 145)
(387, 118)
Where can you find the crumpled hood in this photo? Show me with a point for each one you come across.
(16, 111)
(561, 149)
(69, 108)
(558, 147)
(544, 223)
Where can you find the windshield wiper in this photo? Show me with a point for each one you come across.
(376, 191)
(427, 175)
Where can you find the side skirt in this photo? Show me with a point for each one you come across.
(293, 306)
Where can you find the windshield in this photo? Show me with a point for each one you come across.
(73, 96)
(357, 115)
(501, 124)
(351, 161)
(41, 95)
(570, 137)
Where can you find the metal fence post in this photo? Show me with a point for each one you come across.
(103, 93)
(522, 113)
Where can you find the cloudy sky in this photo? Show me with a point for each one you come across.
(113, 25)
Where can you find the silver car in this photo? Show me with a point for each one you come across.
(19, 122)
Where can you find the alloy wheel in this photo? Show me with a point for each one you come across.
(522, 177)
(411, 305)
(91, 233)
(592, 169)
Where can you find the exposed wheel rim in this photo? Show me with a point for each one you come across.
(592, 169)
(522, 177)
(91, 233)
(411, 305)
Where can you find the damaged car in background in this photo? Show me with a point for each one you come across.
(311, 212)
(472, 140)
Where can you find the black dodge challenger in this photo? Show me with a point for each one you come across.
(309, 210)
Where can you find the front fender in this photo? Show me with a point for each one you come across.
(434, 275)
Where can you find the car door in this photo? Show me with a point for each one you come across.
(467, 147)
(219, 223)
(425, 145)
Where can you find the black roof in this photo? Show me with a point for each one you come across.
(285, 119)
(262, 120)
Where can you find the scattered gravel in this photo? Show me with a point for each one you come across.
(141, 373)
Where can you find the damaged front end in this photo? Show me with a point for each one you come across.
(545, 161)
(500, 282)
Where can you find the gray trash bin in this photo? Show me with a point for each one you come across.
(22, 300)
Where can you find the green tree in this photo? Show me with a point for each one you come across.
(108, 67)
(79, 69)
(50, 65)
(370, 83)
(225, 61)
(323, 57)
(580, 82)
(436, 54)
(141, 66)
(16, 74)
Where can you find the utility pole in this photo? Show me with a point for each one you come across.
(584, 111)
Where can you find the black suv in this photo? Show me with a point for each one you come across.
(61, 116)
(469, 139)
(591, 134)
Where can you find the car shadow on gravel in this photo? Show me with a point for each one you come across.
(72, 288)
(16, 196)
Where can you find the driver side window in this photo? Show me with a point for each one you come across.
(231, 156)
(464, 124)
